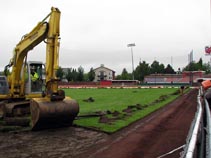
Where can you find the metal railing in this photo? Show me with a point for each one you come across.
(192, 137)
(208, 130)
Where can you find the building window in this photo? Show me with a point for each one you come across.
(102, 75)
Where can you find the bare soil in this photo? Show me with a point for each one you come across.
(153, 136)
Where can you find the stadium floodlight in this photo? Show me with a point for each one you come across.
(131, 45)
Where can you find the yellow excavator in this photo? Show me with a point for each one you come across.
(22, 94)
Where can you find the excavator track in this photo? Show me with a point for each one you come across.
(40, 113)
(15, 113)
(18, 108)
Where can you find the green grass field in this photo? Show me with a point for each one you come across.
(119, 107)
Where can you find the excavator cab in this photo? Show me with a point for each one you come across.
(34, 74)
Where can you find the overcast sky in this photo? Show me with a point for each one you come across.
(95, 32)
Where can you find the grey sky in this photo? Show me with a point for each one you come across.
(97, 32)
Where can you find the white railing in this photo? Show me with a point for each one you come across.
(208, 130)
(191, 140)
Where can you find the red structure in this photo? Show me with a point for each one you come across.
(105, 83)
(208, 50)
(185, 77)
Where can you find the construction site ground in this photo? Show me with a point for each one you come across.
(155, 135)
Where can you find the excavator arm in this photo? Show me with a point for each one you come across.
(28, 42)
(43, 30)
(52, 54)
(53, 110)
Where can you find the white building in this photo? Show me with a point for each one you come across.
(104, 73)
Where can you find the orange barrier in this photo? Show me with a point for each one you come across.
(206, 84)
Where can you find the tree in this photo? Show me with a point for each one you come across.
(69, 75)
(206, 68)
(80, 76)
(142, 70)
(125, 75)
(161, 68)
(74, 75)
(86, 77)
(60, 73)
(118, 77)
(169, 70)
(196, 66)
(191, 67)
(156, 67)
(91, 75)
(200, 64)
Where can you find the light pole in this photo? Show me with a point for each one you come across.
(131, 45)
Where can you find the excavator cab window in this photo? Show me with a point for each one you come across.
(37, 76)
(4, 88)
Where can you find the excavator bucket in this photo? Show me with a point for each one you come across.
(52, 114)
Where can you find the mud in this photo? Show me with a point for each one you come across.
(152, 136)
(56, 143)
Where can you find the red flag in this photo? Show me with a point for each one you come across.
(208, 50)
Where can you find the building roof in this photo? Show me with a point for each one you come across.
(102, 66)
